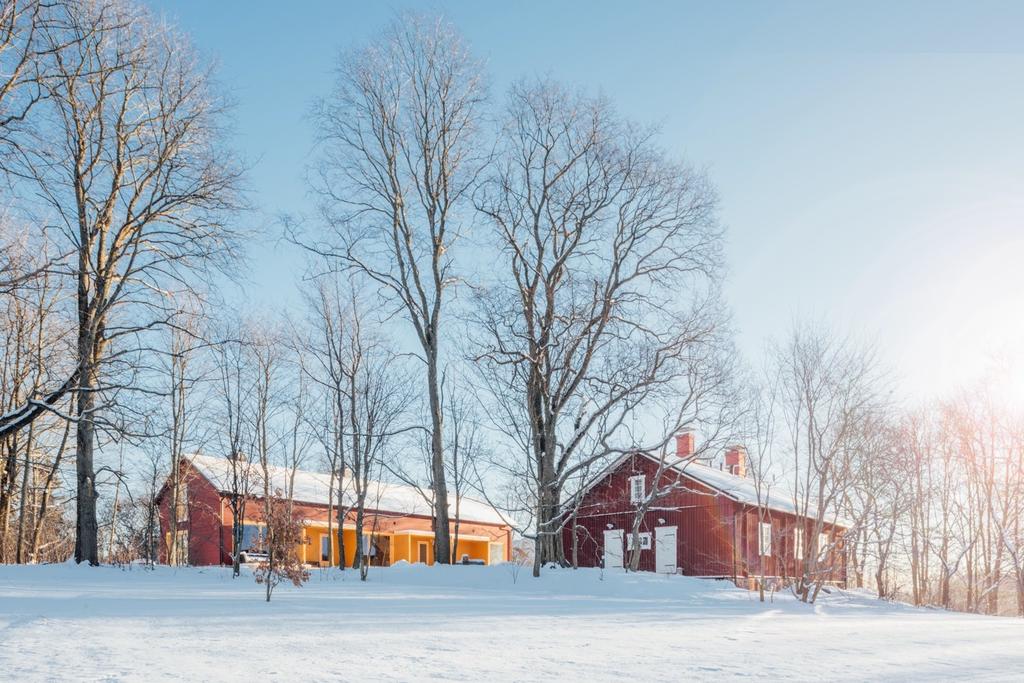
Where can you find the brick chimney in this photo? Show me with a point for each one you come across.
(736, 461)
(684, 444)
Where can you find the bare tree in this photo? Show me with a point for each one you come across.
(23, 52)
(918, 440)
(377, 401)
(987, 442)
(612, 256)
(236, 377)
(324, 358)
(762, 420)
(398, 159)
(299, 437)
(284, 534)
(265, 409)
(879, 500)
(25, 261)
(33, 348)
(466, 450)
(185, 429)
(827, 388)
(139, 182)
(709, 403)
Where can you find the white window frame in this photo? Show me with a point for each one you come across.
(637, 493)
(645, 540)
(823, 544)
(798, 544)
(325, 540)
(764, 539)
(181, 504)
(369, 547)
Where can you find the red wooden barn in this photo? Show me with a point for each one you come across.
(707, 525)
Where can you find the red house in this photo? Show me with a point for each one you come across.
(708, 524)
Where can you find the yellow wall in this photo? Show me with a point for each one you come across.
(406, 547)
(310, 552)
(477, 550)
(403, 547)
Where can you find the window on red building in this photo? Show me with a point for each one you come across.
(636, 489)
(765, 545)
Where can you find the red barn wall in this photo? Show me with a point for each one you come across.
(207, 540)
(704, 521)
(716, 536)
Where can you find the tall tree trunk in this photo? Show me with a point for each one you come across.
(340, 512)
(113, 523)
(86, 528)
(358, 559)
(549, 539)
(439, 486)
(237, 533)
(549, 546)
(22, 514)
(10, 472)
(455, 534)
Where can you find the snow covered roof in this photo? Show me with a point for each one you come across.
(741, 489)
(314, 488)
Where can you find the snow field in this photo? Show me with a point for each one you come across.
(63, 622)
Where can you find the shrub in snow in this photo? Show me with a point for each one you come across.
(284, 534)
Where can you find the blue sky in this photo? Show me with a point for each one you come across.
(869, 156)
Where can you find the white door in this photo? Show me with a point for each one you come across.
(665, 549)
(497, 553)
(613, 549)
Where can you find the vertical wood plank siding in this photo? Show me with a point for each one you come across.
(716, 536)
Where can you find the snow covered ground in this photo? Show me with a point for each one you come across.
(471, 623)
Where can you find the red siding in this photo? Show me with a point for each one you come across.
(208, 539)
(716, 536)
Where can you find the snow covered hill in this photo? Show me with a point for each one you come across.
(65, 622)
